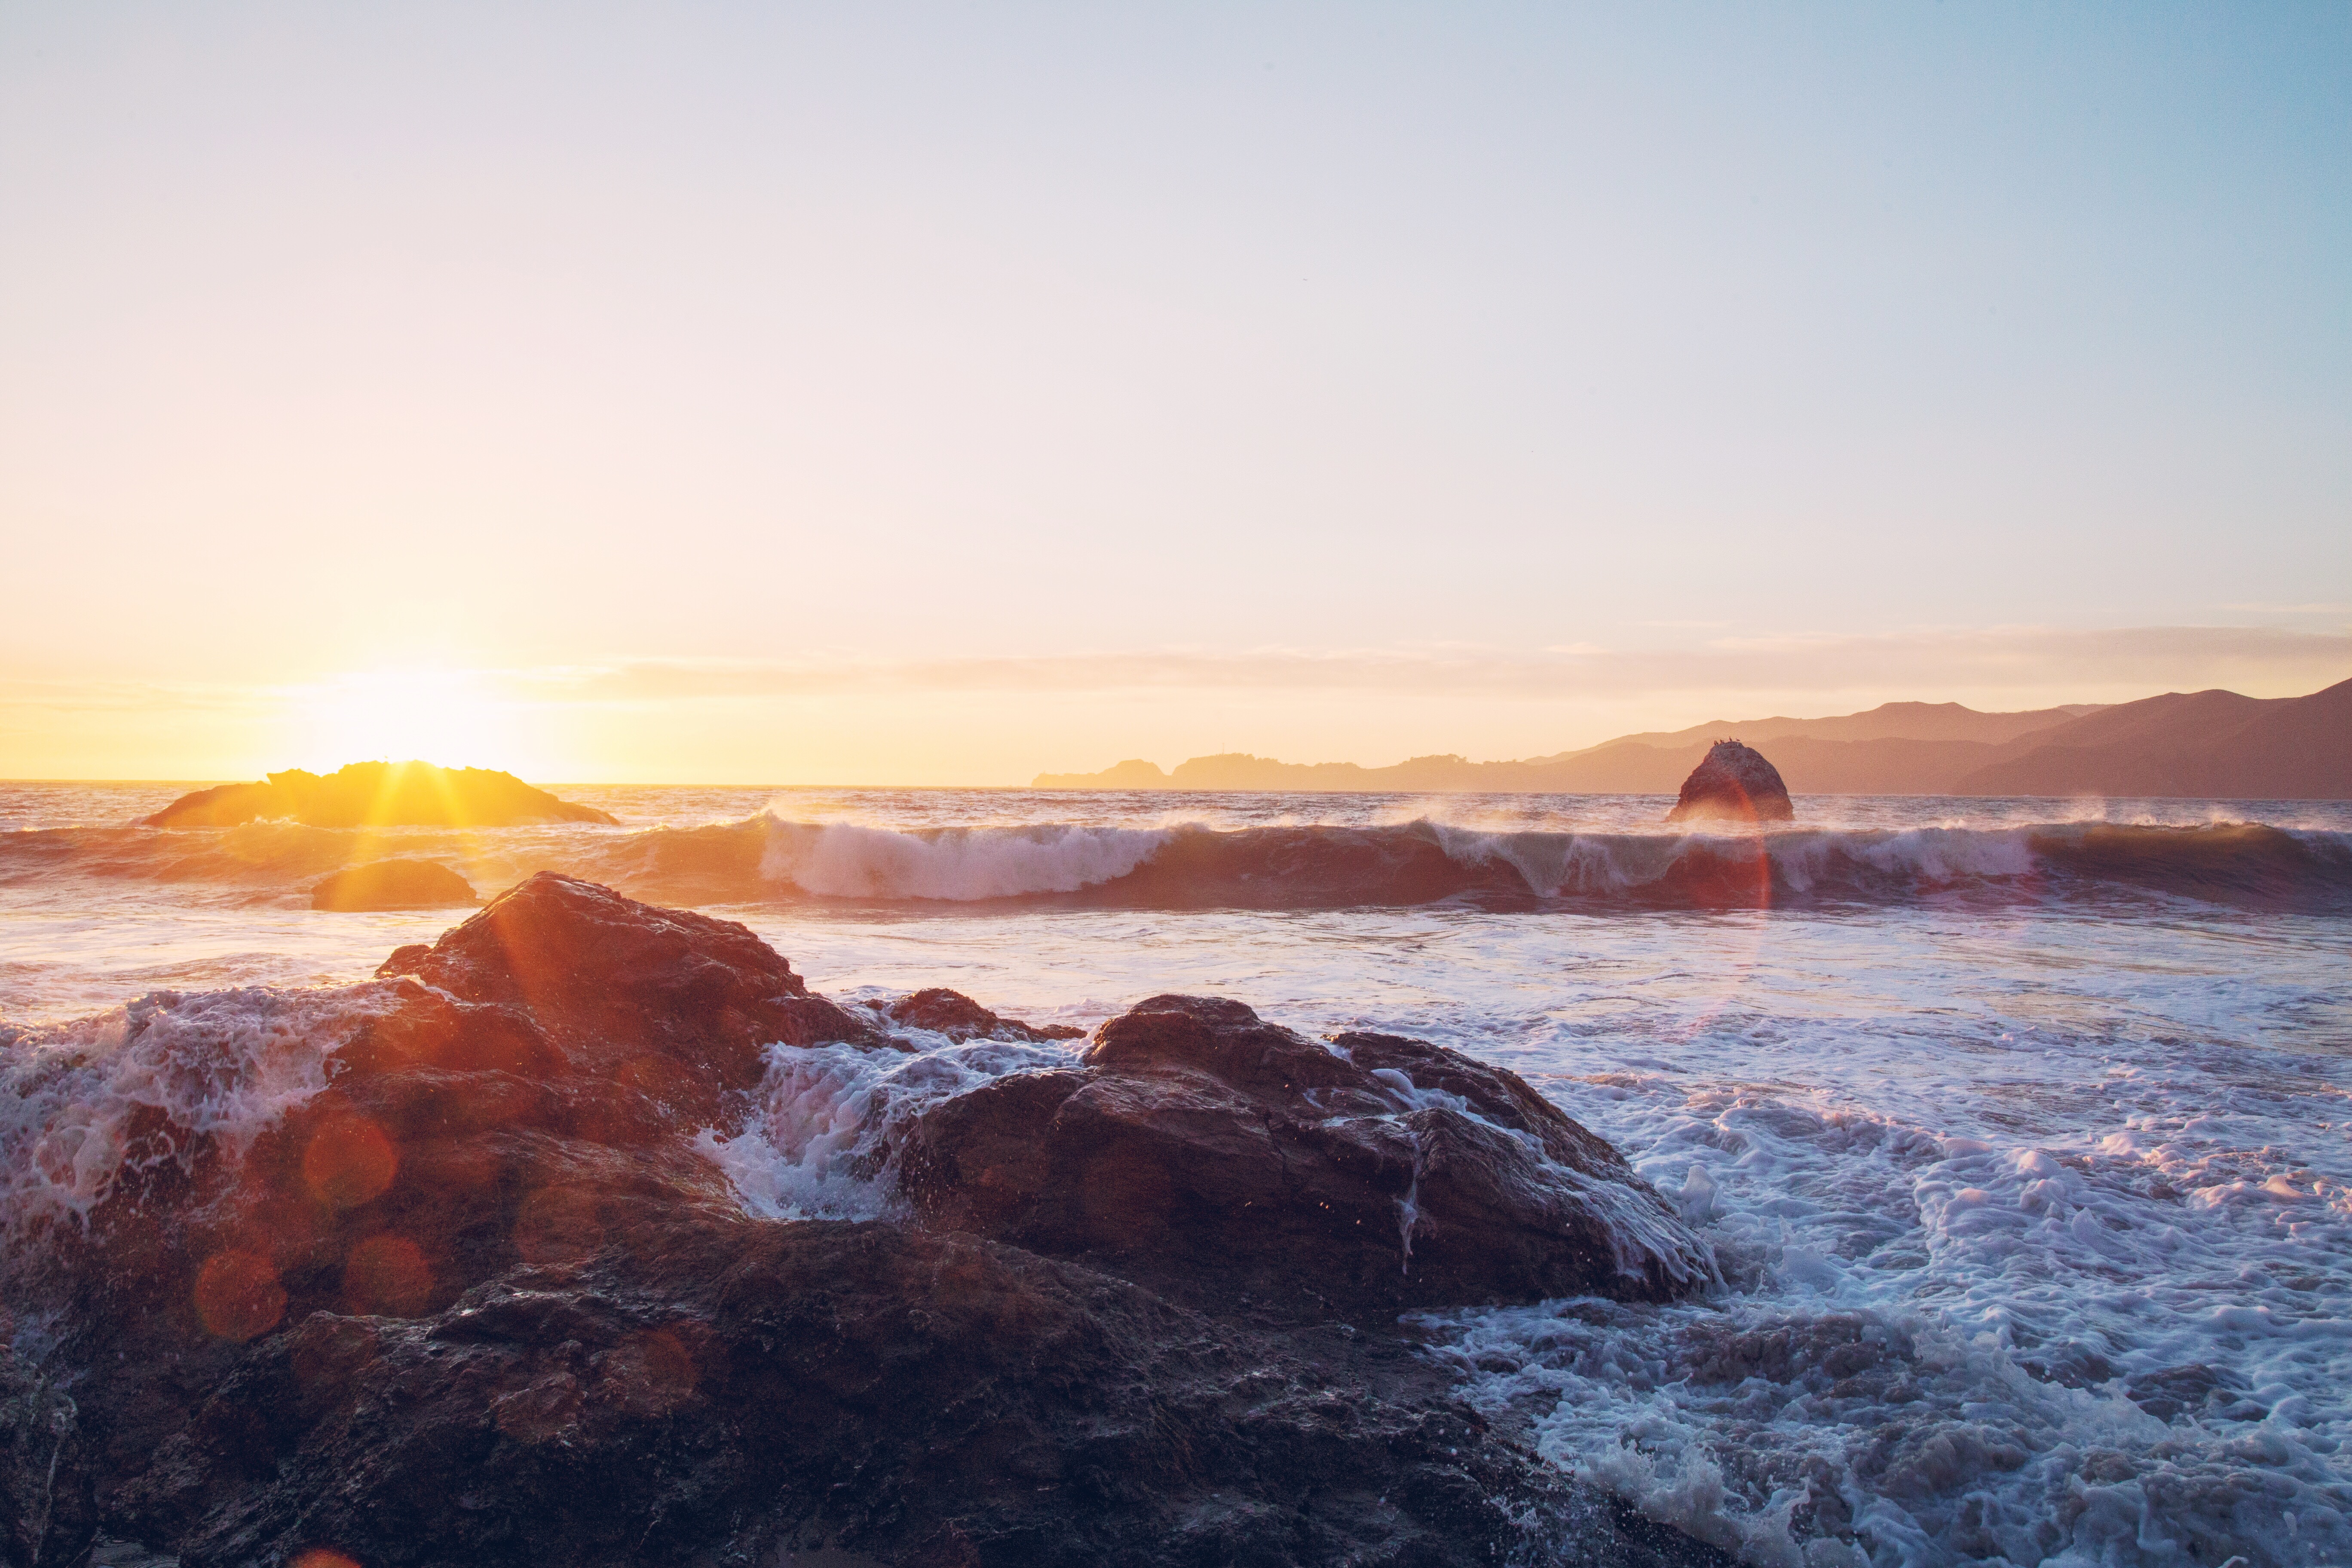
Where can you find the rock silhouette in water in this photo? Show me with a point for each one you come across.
(958, 1018)
(1197, 1143)
(1733, 781)
(480, 1298)
(392, 885)
(378, 794)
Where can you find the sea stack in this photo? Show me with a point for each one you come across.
(378, 794)
(1735, 783)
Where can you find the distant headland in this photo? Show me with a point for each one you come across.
(2216, 744)
(378, 794)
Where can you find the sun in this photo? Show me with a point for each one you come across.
(430, 715)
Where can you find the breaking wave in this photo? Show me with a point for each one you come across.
(767, 859)
(963, 863)
(151, 1086)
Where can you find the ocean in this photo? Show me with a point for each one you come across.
(2022, 1129)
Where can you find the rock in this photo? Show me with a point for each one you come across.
(611, 979)
(378, 794)
(481, 1299)
(392, 885)
(1735, 782)
(753, 1390)
(1197, 1143)
(958, 1018)
(45, 1479)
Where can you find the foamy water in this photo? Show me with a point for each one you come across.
(2030, 1177)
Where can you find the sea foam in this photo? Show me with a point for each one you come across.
(1946, 1347)
(819, 1139)
(845, 861)
(212, 1071)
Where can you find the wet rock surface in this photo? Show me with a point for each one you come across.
(480, 1299)
(915, 1399)
(958, 1018)
(45, 1475)
(1732, 782)
(1216, 1154)
(392, 885)
(608, 981)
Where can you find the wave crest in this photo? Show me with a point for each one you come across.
(843, 860)
(769, 859)
(86, 1105)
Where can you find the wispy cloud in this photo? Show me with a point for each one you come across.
(1930, 660)
(1927, 662)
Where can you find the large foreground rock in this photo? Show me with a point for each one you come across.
(1199, 1145)
(727, 1391)
(481, 1300)
(1732, 782)
(378, 794)
(39, 1443)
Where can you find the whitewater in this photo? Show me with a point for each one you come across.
(2022, 1129)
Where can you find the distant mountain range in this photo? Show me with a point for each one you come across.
(2207, 743)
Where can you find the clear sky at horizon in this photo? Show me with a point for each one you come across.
(937, 394)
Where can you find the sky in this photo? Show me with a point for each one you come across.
(934, 394)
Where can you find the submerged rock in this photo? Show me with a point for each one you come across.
(378, 794)
(1198, 1145)
(392, 885)
(1733, 781)
(958, 1018)
(472, 1291)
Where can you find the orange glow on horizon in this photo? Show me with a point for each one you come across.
(434, 715)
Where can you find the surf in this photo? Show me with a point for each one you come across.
(768, 858)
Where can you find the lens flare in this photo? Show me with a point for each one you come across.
(239, 1296)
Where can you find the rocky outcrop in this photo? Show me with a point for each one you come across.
(378, 794)
(45, 1474)
(607, 980)
(392, 885)
(1198, 1145)
(958, 1018)
(1732, 782)
(480, 1298)
(743, 1391)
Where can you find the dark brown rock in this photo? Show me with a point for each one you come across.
(403, 960)
(45, 1479)
(958, 1018)
(378, 794)
(1732, 782)
(731, 1391)
(481, 1301)
(392, 885)
(1199, 1143)
(612, 979)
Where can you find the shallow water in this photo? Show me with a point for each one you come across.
(2031, 1178)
